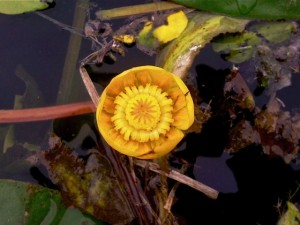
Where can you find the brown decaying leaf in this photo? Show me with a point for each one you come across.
(88, 185)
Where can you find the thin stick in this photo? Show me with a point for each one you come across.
(89, 85)
(117, 13)
(46, 113)
(175, 175)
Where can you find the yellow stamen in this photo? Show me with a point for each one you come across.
(142, 113)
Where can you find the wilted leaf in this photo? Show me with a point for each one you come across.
(28, 204)
(89, 186)
(22, 6)
(279, 131)
(271, 73)
(291, 216)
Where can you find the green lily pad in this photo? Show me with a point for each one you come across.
(257, 9)
(29, 204)
(275, 32)
(238, 48)
(13, 7)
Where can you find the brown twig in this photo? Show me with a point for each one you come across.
(89, 85)
(46, 113)
(175, 175)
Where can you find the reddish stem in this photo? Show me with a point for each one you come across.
(46, 113)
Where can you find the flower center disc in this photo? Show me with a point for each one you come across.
(143, 112)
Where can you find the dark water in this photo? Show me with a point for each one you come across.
(250, 183)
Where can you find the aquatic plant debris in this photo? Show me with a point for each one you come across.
(13, 7)
(291, 216)
(143, 112)
(90, 185)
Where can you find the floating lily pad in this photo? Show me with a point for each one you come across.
(237, 47)
(28, 204)
(275, 32)
(17, 7)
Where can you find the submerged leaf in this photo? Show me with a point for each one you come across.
(22, 6)
(271, 73)
(90, 186)
(237, 48)
(28, 204)
(275, 32)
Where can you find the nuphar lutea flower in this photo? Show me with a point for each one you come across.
(144, 111)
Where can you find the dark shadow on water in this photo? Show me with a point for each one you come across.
(213, 137)
(262, 183)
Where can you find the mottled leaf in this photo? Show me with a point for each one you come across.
(28, 204)
(88, 185)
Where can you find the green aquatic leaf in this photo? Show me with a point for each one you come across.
(257, 9)
(29, 204)
(13, 7)
(291, 216)
(179, 55)
(237, 47)
(275, 32)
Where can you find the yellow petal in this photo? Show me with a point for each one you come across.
(177, 22)
(125, 38)
(108, 104)
(143, 77)
(189, 100)
(164, 145)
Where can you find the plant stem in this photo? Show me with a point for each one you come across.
(175, 175)
(46, 113)
(117, 13)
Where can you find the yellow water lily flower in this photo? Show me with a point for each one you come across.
(143, 112)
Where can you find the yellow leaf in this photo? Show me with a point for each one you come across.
(125, 38)
(177, 22)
